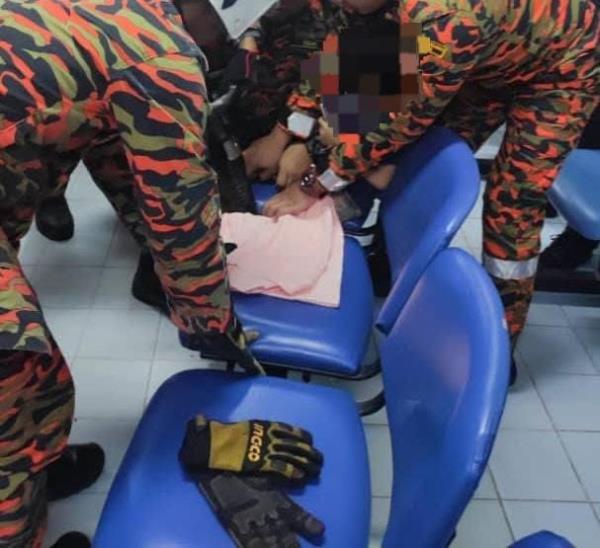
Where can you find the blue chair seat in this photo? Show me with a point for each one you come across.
(576, 193)
(152, 504)
(263, 192)
(325, 340)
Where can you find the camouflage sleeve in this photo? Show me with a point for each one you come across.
(292, 37)
(442, 76)
(160, 109)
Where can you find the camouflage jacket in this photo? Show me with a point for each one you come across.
(78, 72)
(509, 47)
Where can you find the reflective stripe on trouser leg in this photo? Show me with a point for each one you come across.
(516, 291)
(510, 270)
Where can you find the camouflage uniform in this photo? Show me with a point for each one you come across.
(126, 78)
(531, 64)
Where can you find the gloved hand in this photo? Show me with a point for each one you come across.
(255, 514)
(240, 68)
(231, 347)
(254, 446)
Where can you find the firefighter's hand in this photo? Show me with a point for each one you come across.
(263, 155)
(381, 177)
(294, 163)
(291, 201)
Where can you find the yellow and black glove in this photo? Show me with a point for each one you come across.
(253, 446)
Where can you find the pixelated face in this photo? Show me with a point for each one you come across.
(365, 73)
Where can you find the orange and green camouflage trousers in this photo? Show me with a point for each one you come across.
(542, 127)
(36, 390)
(36, 405)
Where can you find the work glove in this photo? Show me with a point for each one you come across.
(231, 346)
(255, 514)
(254, 446)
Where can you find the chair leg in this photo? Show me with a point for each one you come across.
(369, 407)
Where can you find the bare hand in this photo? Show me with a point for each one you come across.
(291, 201)
(263, 155)
(293, 164)
(381, 177)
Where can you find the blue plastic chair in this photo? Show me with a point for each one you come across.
(436, 187)
(445, 374)
(432, 194)
(576, 192)
(445, 366)
(543, 539)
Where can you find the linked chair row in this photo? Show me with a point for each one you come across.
(445, 374)
(576, 193)
(435, 187)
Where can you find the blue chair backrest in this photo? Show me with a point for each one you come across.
(543, 539)
(576, 193)
(435, 187)
(445, 373)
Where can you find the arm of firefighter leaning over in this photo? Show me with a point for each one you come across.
(452, 43)
(157, 104)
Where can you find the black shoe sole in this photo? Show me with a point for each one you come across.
(63, 482)
(56, 233)
(72, 540)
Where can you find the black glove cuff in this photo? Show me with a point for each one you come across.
(194, 454)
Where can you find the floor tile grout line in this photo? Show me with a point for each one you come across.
(530, 377)
(557, 434)
(550, 501)
(502, 507)
(77, 347)
(511, 531)
(585, 348)
(517, 429)
(561, 441)
(574, 467)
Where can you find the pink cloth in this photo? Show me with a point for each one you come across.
(297, 258)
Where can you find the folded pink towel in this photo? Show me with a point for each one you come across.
(297, 258)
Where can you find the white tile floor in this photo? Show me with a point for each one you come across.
(544, 471)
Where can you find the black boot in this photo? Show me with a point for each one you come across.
(568, 251)
(72, 540)
(77, 469)
(513, 372)
(485, 166)
(146, 286)
(54, 220)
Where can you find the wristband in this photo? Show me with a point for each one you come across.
(310, 185)
(332, 182)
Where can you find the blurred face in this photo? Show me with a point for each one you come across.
(360, 6)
